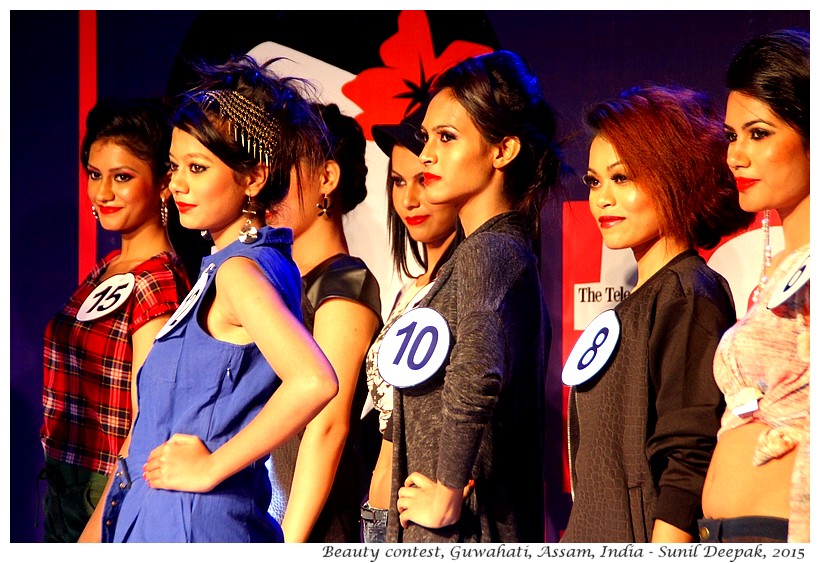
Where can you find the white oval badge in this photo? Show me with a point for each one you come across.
(414, 348)
(107, 297)
(187, 303)
(594, 349)
(800, 275)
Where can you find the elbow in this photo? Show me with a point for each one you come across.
(328, 385)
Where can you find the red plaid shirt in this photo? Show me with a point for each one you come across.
(87, 365)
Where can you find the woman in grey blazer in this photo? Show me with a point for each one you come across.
(468, 363)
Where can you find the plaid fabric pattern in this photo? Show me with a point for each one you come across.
(87, 365)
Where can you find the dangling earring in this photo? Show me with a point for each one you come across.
(767, 256)
(248, 233)
(163, 212)
(324, 207)
(94, 212)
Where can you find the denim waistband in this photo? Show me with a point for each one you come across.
(743, 529)
(373, 514)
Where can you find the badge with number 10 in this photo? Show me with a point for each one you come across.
(414, 348)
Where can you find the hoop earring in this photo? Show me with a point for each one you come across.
(324, 207)
(248, 233)
(163, 212)
(94, 212)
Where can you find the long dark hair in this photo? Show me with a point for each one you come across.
(774, 68)
(400, 239)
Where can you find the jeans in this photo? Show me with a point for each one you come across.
(374, 524)
(745, 529)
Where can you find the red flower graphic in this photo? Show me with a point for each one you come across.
(386, 94)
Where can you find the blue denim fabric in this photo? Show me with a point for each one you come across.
(745, 529)
(374, 524)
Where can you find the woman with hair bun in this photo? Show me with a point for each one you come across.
(319, 478)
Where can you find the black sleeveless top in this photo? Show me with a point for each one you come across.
(346, 277)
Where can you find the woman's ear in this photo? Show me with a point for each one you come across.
(506, 151)
(256, 179)
(329, 178)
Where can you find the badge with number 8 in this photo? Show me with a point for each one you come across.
(798, 278)
(107, 297)
(594, 349)
(414, 348)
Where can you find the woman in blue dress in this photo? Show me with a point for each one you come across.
(193, 469)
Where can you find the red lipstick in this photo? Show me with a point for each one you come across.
(744, 184)
(106, 210)
(184, 207)
(430, 178)
(416, 220)
(607, 221)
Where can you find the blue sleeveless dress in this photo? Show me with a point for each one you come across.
(192, 383)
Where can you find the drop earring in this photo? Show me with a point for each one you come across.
(324, 207)
(767, 256)
(163, 212)
(94, 212)
(248, 233)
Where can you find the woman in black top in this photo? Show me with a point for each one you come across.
(644, 409)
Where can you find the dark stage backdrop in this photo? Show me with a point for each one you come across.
(580, 56)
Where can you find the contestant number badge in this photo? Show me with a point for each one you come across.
(798, 278)
(595, 348)
(187, 303)
(107, 297)
(414, 348)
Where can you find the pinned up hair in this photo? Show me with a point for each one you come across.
(503, 97)
(295, 132)
(139, 125)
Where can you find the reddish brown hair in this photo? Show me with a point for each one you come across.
(671, 141)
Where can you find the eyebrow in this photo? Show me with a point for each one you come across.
(608, 168)
(192, 155)
(749, 124)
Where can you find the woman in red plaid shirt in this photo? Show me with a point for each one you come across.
(105, 329)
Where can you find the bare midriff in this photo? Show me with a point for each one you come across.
(736, 487)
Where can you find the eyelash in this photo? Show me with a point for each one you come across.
(593, 182)
(754, 134)
(397, 181)
(195, 168)
(589, 181)
(97, 176)
(445, 137)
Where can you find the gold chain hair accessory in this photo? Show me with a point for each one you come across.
(252, 126)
